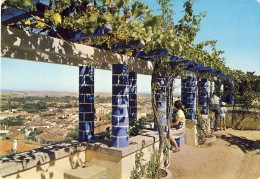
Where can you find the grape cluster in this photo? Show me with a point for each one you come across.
(126, 10)
(102, 10)
(112, 10)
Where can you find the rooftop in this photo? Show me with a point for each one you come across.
(7, 146)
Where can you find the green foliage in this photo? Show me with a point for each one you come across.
(149, 117)
(138, 170)
(154, 31)
(148, 170)
(247, 89)
(34, 108)
(9, 106)
(34, 104)
(33, 134)
(13, 121)
(246, 92)
(99, 99)
(136, 125)
(73, 134)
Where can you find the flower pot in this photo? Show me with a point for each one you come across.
(210, 139)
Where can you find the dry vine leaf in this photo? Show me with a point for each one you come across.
(57, 18)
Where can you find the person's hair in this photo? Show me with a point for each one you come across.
(215, 93)
(178, 104)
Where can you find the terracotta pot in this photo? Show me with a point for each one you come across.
(168, 174)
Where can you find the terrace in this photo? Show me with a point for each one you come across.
(91, 157)
(19, 44)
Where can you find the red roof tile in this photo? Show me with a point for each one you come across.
(7, 146)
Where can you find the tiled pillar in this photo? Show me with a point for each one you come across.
(86, 103)
(120, 104)
(191, 97)
(161, 102)
(183, 92)
(132, 96)
(203, 94)
(191, 130)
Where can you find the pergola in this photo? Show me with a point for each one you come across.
(19, 44)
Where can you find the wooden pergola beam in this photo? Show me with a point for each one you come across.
(22, 45)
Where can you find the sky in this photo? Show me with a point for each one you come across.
(38, 76)
(235, 24)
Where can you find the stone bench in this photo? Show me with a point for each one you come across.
(181, 140)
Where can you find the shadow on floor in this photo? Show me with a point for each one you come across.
(243, 143)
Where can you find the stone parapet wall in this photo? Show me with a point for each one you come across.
(250, 121)
(191, 132)
(54, 161)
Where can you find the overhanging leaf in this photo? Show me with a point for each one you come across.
(27, 3)
(56, 18)
(93, 18)
(107, 17)
(137, 9)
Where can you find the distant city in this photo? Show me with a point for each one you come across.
(39, 118)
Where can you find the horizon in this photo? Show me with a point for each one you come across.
(35, 91)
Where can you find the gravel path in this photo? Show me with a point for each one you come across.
(234, 155)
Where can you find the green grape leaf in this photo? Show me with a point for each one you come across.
(107, 16)
(88, 31)
(150, 20)
(93, 18)
(137, 9)
(27, 3)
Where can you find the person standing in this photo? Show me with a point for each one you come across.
(216, 109)
(223, 111)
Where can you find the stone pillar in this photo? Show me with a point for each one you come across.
(183, 92)
(132, 96)
(191, 97)
(203, 95)
(204, 100)
(86, 103)
(120, 105)
(161, 103)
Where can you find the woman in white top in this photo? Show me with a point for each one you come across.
(178, 125)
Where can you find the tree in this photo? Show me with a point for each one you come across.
(33, 134)
(13, 121)
(73, 134)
